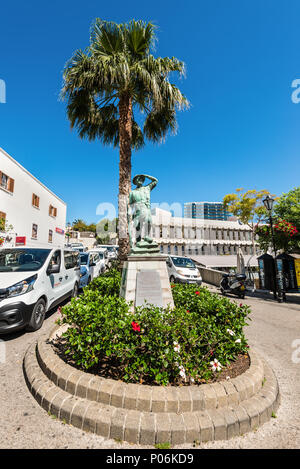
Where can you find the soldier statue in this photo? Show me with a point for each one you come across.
(139, 215)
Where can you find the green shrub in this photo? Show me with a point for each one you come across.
(154, 345)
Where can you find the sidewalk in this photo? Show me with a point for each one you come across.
(291, 298)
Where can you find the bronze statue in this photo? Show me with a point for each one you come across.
(139, 215)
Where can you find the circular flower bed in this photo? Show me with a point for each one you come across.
(199, 340)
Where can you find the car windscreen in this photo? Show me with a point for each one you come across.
(22, 260)
(183, 262)
(84, 259)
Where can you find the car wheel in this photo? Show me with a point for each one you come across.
(75, 290)
(89, 280)
(37, 316)
(172, 279)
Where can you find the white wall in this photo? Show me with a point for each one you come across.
(20, 212)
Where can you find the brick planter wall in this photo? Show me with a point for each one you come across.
(150, 414)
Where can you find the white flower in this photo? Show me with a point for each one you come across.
(238, 341)
(230, 332)
(177, 348)
(216, 365)
(175, 343)
(192, 380)
(182, 373)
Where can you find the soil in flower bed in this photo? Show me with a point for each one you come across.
(110, 368)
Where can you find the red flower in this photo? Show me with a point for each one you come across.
(197, 293)
(187, 310)
(135, 326)
(172, 286)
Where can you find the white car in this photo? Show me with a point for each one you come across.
(77, 247)
(92, 264)
(112, 252)
(183, 270)
(103, 252)
(32, 281)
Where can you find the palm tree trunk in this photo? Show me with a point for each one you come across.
(125, 136)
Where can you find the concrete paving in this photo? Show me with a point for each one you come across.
(273, 332)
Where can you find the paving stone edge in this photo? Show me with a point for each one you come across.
(148, 427)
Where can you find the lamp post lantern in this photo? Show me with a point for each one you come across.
(268, 203)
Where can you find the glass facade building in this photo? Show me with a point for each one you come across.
(205, 211)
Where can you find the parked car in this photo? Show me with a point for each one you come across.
(91, 266)
(183, 270)
(77, 247)
(104, 255)
(100, 257)
(112, 250)
(32, 281)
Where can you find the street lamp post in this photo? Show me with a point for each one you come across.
(268, 203)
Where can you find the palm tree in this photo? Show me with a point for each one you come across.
(108, 83)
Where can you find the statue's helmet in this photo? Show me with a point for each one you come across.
(139, 178)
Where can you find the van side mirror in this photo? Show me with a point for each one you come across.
(92, 264)
(53, 269)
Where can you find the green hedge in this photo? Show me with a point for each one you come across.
(154, 345)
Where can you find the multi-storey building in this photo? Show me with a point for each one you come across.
(205, 210)
(36, 215)
(192, 236)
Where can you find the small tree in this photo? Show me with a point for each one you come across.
(81, 225)
(248, 207)
(105, 229)
(285, 235)
(288, 207)
(286, 224)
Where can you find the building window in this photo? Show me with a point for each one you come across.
(34, 231)
(176, 249)
(6, 182)
(50, 236)
(169, 249)
(52, 211)
(35, 201)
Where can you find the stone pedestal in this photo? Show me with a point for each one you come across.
(145, 277)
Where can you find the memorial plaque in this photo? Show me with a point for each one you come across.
(148, 287)
(123, 282)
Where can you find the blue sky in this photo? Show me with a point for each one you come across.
(242, 129)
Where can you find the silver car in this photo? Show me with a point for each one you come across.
(183, 270)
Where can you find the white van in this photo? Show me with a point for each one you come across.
(32, 281)
(183, 270)
(99, 260)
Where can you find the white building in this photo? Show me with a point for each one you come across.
(37, 215)
(192, 236)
